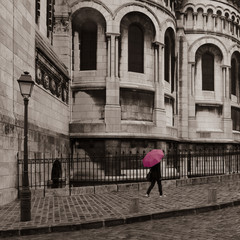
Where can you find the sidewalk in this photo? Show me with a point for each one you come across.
(67, 213)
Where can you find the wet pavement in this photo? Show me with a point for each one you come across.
(223, 224)
(94, 211)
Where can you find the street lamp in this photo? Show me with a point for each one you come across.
(26, 86)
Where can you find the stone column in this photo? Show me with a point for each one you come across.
(113, 52)
(76, 52)
(183, 87)
(214, 21)
(185, 19)
(156, 62)
(228, 82)
(108, 56)
(235, 28)
(219, 24)
(227, 121)
(192, 66)
(191, 108)
(112, 106)
(172, 7)
(159, 106)
(205, 21)
(229, 25)
(224, 82)
(116, 57)
(195, 20)
(222, 23)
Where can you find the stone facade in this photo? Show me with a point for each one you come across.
(25, 47)
(166, 104)
(91, 93)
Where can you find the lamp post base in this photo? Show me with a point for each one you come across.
(25, 204)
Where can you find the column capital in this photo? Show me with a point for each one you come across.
(109, 34)
(61, 24)
(156, 43)
(225, 66)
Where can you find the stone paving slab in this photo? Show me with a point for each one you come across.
(67, 213)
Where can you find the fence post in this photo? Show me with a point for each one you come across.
(189, 163)
(183, 161)
(136, 166)
(69, 184)
(44, 175)
(237, 155)
(34, 173)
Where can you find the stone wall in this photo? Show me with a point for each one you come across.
(48, 116)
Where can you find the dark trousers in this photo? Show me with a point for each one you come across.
(152, 185)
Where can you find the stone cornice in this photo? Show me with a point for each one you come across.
(46, 49)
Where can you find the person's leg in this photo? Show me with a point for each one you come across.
(151, 186)
(159, 182)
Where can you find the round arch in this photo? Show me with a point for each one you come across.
(96, 5)
(232, 49)
(136, 7)
(198, 43)
(169, 23)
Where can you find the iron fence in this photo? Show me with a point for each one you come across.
(126, 167)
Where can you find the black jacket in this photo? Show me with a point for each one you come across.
(155, 172)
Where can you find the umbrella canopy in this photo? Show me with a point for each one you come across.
(153, 157)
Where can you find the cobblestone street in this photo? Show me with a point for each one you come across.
(54, 214)
(221, 224)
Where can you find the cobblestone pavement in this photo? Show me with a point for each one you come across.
(55, 212)
(223, 224)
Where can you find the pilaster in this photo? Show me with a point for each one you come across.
(227, 121)
(112, 106)
(159, 108)
(183, 86)
(62, 42)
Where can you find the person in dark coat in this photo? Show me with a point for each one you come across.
(155, 177)
(56, 174)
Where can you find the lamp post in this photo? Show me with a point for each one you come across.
(26, 86)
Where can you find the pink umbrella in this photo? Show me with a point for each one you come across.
(153, 157)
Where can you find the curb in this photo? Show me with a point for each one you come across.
(100, 223)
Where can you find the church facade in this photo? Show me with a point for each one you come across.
(114, 76)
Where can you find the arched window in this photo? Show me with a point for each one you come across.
(135, 48)
(167, 59)
(233, 76)
(207, 72)
(88, 46)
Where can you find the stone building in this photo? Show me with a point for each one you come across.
(114, 75)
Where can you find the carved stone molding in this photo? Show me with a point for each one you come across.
(61, 25)
(50, 72)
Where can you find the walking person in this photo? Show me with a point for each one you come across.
(152, 160)
(155, 177)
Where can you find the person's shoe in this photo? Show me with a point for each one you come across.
(163, 196)
(146, 195)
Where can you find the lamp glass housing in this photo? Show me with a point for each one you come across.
(26, 85)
